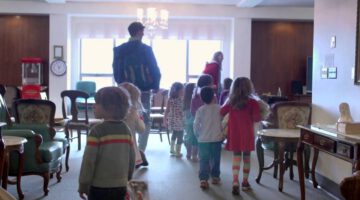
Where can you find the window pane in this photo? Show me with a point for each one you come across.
(96, 56)
(171, 58)
(200, 52)
(120, 41)
(100, 81)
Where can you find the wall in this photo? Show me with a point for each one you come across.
(25, 36)
(279, 49)
(237, 63)
(334, 18)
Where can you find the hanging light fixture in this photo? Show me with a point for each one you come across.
(153, 19)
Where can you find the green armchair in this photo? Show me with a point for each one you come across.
(42, 155)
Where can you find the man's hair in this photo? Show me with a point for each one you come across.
(135, 27)
(204, 80)
(207, 94)
(114, 100)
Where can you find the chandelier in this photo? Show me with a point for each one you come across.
(152, 19)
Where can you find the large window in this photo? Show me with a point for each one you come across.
(179, 60)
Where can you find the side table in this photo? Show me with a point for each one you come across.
(13, 143)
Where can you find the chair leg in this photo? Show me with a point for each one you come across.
(307, 158)
(291, 160)
(67, 158)
(276, 157)
(58, 173)
(168, 135)
(79, 139)
(260, 155)
(46, 177)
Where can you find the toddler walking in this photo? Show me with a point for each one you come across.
(108, 160)
(173, 118)
(134, 120)
(243, 112)
(207, 126)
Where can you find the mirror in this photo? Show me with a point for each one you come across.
(357, 49)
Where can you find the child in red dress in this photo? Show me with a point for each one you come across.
(243, 112)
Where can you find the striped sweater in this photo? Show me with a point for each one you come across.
(108, 160)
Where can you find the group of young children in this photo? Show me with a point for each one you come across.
(193, 108)
(196, 109)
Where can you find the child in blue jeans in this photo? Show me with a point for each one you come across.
(207, 127)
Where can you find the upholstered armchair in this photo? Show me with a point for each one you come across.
(42, 155)
(35, 111)
(286, 115)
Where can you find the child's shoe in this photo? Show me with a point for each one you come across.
(215, 180)
(178, 150)
(235, 188)
(245, 186)
(204, 184)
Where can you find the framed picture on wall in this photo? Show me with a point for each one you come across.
(58, 52)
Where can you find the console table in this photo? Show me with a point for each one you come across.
(326, 139)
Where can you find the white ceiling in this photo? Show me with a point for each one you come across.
(239, 3)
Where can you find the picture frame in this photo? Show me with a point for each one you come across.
(58, 52)
(357, 48)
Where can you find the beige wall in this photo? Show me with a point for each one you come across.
(334, 18)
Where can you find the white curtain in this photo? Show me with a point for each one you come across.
(187, 28)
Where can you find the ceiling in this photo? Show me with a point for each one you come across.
(239, 3)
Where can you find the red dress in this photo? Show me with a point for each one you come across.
(241, 136)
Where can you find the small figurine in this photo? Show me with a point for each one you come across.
(345, 115)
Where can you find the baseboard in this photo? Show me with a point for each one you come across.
(328, 186)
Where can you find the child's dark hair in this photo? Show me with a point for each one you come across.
(204, 80)
(240, 91)
(227, 83)
(207, 94)
(189, 88)
(114, 100)
(174, 90)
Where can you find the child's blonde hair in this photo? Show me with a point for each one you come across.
(135, 94)
(240, 91)
(114, 100)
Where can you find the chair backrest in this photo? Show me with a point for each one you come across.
(289, 114)
(12, 93)
(160, 99)
(2, 90)
(34, 111)
(70, 97)
(350, 186)
(4, 113)
(87, 86)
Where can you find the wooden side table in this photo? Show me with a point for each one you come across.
(13, 143)
(280, 137)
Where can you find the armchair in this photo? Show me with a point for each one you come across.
(284, 115)
(36, 111)
(42, 155)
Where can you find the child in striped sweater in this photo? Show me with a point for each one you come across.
(108, 161)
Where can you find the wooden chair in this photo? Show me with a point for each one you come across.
(350, 187)
(72, 119)
(284, 115)
(157, 114)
